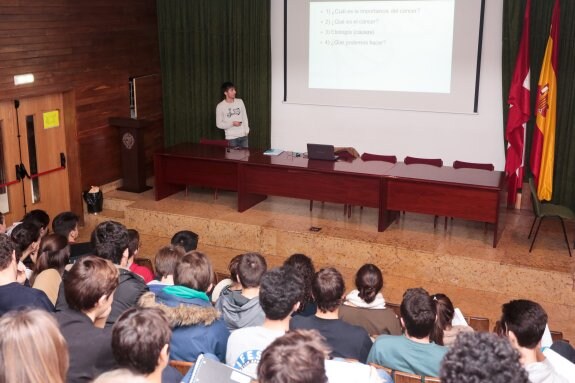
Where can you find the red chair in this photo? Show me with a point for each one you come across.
(425, 161)
(378, 157)
(472, 165)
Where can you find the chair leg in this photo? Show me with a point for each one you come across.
(532, 226)
(445, 225)
(536, 231)
(349, 211)
(345, 209)
(565, 235)
(215, 194)
(435, 221)
(310, 204)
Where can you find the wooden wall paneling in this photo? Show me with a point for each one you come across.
(88, 50)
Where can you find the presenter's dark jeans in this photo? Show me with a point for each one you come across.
(241, 142)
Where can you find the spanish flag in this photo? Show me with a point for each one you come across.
(543, 146)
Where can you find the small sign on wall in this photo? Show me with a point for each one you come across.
(51, 119)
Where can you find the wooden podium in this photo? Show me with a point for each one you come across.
(133, 159)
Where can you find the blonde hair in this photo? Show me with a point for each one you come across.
(32, 349)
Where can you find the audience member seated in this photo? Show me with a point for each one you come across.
(122, 375)
(186, 239)
(412, 352)
(280, 292)
(110, 241)
(26, 237)
(523, 322)
(141, 342)
(296, 357)
(133, 250)
(13, 295)
(482, 358)
(165, 264)
(53, 256)
(197, 326)
(300, 356)
(66, 224)
(227, 285)
(365, 306)
(242, 308)
(344, 339)
(38, 218)
(304, 265)
(2, 224)
(444, 333)
(89, 285)
(32, 350)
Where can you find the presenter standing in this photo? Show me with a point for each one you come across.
(231, 116)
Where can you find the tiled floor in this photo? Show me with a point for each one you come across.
(459, 261)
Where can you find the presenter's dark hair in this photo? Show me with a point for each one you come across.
(227, 86)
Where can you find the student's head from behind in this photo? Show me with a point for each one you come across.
(140, 340)
(110, 241)
(186, 239)
(38, 218)
(418, 313)
(369, 282)
(53, 253)
(524, 322)
(280, 292)
(305, 268)
(66, 224)
(250, 269)
(481, 357)
(133, 242)
(166, 260)
(445, 312)
(296, 357)
(328, 289)
(26, 236)
(91, 282)
(194, 270)
(233, 267)
(32, 349)
(7, 253)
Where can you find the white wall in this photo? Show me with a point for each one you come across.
(476, 138)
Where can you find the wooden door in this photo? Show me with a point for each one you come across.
(34, 135)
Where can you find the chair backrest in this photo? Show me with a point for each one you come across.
(380, 367)
(478, 324)
(534, 199)
(206, 141)
(181, 366)
(556, 335)
(406, 377)
(472, 165)
(378, 157)
(426, 161)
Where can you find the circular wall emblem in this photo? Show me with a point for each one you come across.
(128, 140)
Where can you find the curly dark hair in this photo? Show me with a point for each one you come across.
(481, 357)
(280, 290)
(306, 270)
(110, 240)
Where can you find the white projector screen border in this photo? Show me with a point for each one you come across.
(464, 84)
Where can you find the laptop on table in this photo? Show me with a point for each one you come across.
(321, 152)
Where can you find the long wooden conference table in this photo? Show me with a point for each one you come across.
(469, 194)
